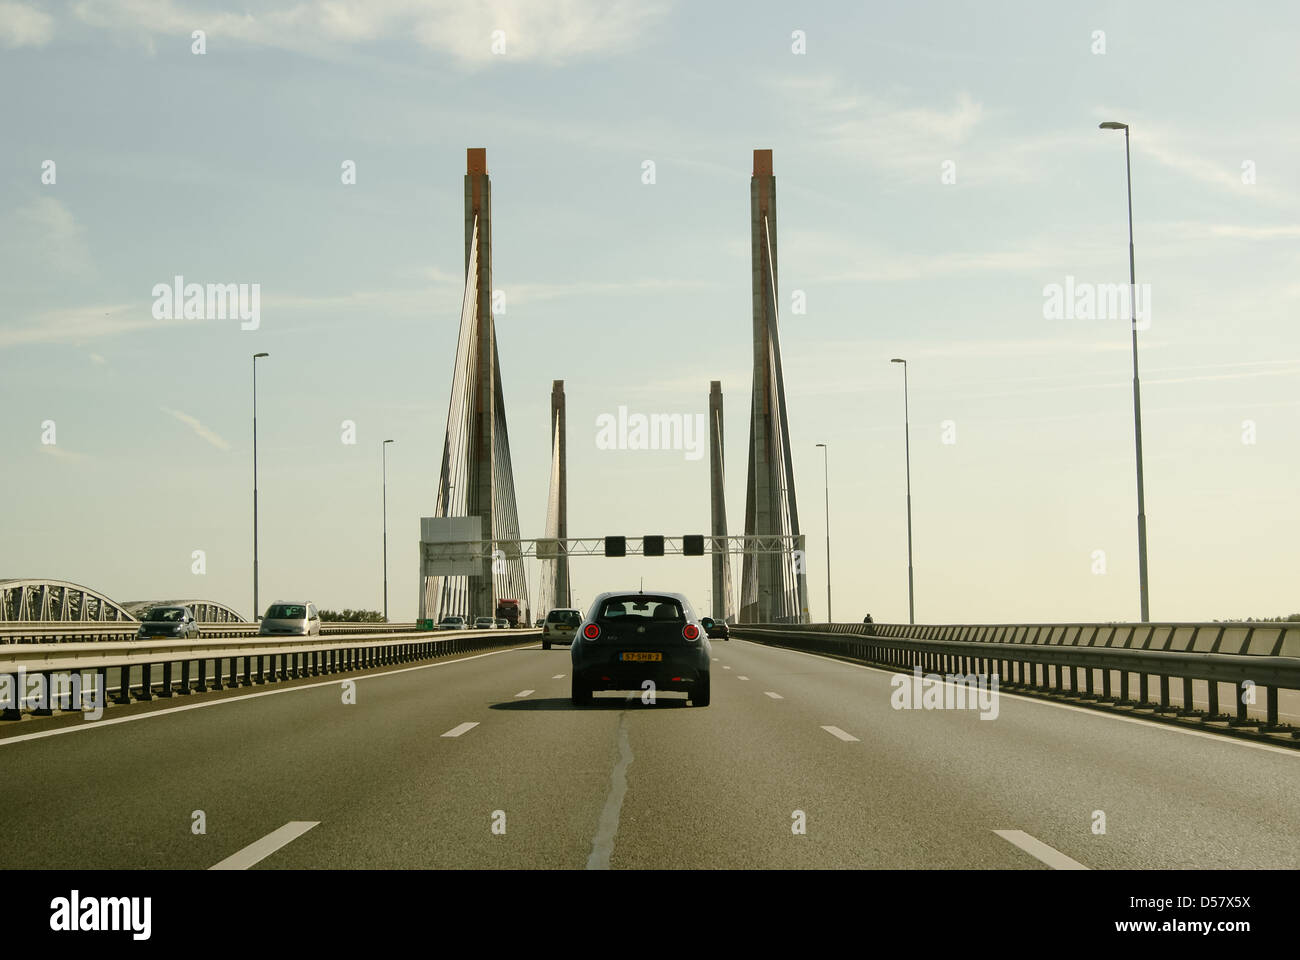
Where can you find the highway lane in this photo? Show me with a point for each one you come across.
(631, 785)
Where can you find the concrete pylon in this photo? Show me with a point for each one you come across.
(773, 585)
(559, 450)
(722, 609)
(481, 479)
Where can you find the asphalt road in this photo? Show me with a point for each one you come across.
(292, 777)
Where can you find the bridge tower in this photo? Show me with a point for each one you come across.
(722, 603)
(555, 566)
(773, 585)
(477, 480)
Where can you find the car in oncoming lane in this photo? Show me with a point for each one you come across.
(628, 638)
(560, 626)
(175, 622)
(291, 619)
(502, 623)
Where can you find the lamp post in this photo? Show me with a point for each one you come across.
(1137, 396)
(826, 483)
(257, 610)
(907, 447)
(383, 449)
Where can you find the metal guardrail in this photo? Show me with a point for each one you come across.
(235, 663)
(1265, 655)
(75, 632)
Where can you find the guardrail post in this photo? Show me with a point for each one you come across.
(123, 685)
(185, 677)
(1270, 697)
(1164, 692)
(13, 708)
(261, 669)
(248, 670)
(1189, 702)
(167, 680)
(42, 708)
(1123, 686)
(1143, 688)
(1213, 709)
(1241, 704)
(146, 681)
(203, 676)
(101, 684)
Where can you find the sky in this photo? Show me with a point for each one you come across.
(939, 168)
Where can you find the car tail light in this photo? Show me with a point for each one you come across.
(691, 632)
(591, 631)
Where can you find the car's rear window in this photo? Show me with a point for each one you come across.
(661, 609)
(286, 611)
(563, 616)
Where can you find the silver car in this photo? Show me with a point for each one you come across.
(291, 619)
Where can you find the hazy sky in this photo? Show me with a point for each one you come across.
(226, 167)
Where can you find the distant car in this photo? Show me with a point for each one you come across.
(629, 638)
(541, 622)
(451, 623)
(291, 619)
(716, 629)
(560, 625)
(502, 623)
(175, 622)
(484, 623)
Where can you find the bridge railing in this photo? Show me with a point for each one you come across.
(72, 675)
(1257, 659)
(80, 632)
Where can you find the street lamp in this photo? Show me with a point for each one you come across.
(907, 447)
(1137, 396)
(257, 610)
(383, 449)
(826, 482)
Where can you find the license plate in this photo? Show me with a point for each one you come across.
(640, 656)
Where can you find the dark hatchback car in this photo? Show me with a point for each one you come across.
(174, 622)
(716, 629)
(629, 638)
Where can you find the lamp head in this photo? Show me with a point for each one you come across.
(1113, 125)
(256, 355)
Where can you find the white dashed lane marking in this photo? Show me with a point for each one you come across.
(462, 728)
(725, 667)
(1040, 851)
(558, 676)
(261, 849)
(523, 693)
(837, 732)
(739, 677)
(774, 696)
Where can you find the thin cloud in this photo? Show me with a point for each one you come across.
(22, 25)
(548, 31)
(202, 431)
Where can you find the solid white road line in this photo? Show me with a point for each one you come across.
(774, 696)
(101, 724)
(1040, 851)
(261, 849)
(837, 732)
(524, 693)
(461, 728)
